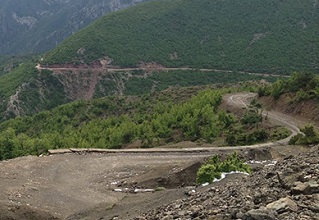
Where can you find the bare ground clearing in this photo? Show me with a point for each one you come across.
(81, 186)
(66, 184)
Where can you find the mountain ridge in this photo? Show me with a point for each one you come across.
(40, 25)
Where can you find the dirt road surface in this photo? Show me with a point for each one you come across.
(152, 69)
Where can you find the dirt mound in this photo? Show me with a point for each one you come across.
(25, 212)
(287, 190)
(170, 180)
(259, 154)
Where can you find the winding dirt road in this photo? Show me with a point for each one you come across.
(242, 100)
(74, 184)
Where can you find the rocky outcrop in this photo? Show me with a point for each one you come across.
(287, 190)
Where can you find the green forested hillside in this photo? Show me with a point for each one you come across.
(10, 82)
(113, 122)
(250, 35)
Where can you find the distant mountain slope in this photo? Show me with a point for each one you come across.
(251, 35)
(26, 91)
(40, 25)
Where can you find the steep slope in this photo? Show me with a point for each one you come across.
(40, 25)
(297, 96)
(8, 63)
(26, 91)
(254, 35)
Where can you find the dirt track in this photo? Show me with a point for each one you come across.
(81, 185)
(151, 69)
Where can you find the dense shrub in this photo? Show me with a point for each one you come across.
(305, 86)
(215, 166)
(308, 136)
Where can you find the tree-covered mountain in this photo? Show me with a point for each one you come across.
(251, 35)
(40, 25)
(260, 36)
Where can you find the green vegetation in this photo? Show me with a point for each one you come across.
(113, 122)
(45, 90)
(258, 36)
(309, 136)
(215, 166)
(305, 86)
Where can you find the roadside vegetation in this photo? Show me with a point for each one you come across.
(299, 88)
(304, 86)
(309, 136)
(213, 169)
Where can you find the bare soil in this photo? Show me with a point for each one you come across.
(66, 184)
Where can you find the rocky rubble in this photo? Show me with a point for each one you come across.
(287, 190)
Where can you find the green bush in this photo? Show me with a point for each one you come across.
(308, 136)
(214, 167)
(304, 86)
(251, 117)
(207, 173)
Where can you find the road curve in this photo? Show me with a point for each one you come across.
(242, 100)
(238, 100)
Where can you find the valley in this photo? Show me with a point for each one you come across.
(159, 110)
